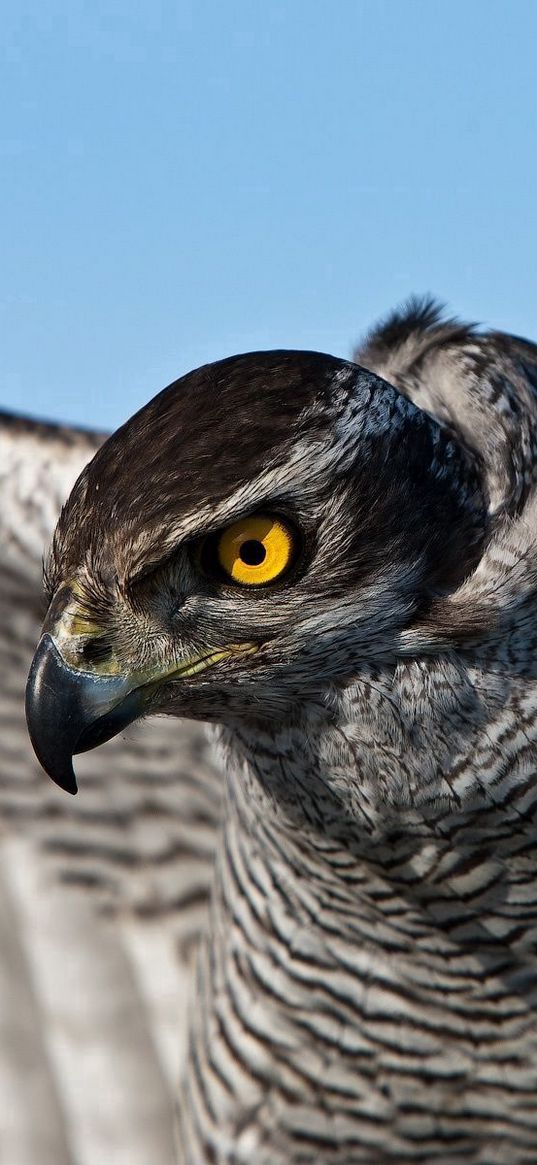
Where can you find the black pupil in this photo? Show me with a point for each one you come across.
(253, 553)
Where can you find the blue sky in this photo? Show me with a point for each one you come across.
(183, 180)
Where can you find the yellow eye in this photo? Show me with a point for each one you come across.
(255, 550)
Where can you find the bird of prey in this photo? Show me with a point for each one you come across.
(334, 563)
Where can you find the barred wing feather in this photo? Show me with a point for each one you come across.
(102, 896)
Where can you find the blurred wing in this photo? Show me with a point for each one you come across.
(102, 896)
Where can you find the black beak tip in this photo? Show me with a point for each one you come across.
(70, 711)
(65, 779)
(47, 719)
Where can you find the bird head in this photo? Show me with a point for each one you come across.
(251, 537)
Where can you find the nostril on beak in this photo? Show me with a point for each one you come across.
(97, 650)
(70, 710)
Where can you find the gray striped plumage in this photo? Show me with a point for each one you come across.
(368, 989)
(366, 992)
(101, 898)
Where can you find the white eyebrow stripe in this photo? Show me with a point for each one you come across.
(271, 481)
(358, 411)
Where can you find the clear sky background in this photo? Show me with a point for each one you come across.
(185, 179)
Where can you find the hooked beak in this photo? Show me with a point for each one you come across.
(70, 711)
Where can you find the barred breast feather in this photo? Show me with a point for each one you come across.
(369, 987)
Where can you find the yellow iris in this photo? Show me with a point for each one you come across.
(255, 550)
